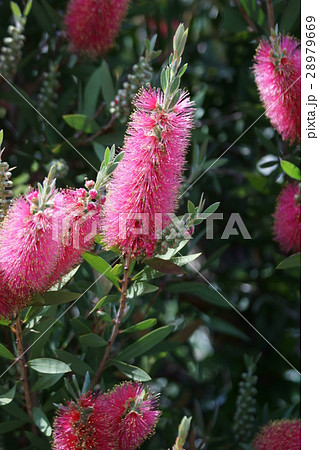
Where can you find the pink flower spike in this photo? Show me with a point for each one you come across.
(89, 184)
(287, 225)
(82, 424)
(92, 25)
(75, 230)
(132, 414)
(145, 185)
(279, 435)
(28, 251)
(277, 70)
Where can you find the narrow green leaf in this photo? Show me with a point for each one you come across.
(92, 340)
(16, 10)
(106, 83)
(140, 288)
(5, 353)
(203, 291)
(27, 8)
(7, 427)
(48, 365)
(41, 421)
(132, 372)
(81, 122)
(145, 343)
(291, 170)
(165, 266)
(291, 262)
(46, 381)
(182, 260)
(140, 326)
(39, 443)
(77, 365)
(102, 267)
(212, 208)
(91, 93)
(8, 396)
(58, 297)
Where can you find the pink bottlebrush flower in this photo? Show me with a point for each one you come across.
(76, 225)
(287, 225)
(92, 25)
(277, 70)
(82, 425)
(131, 416)
(28, 251)
(279, 435)
(144, 187)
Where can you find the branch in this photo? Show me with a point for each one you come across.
(243, 12)
(23, 366)
(270, 14)
(117, 321)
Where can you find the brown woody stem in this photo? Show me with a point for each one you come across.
(23, 367)
(249, 21)
(270, 14)
(117, 321)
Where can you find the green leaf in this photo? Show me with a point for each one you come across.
(203, 291)
(27, 8)
(81, 122)
(291, 262)
(77, 365)
(140, 326)
(106, 83)
(102, 267)
(221, 326)
(16, 10)
(132, 372)
(64, 280)
(92, 340)
(182, 260)
(140, 288)
(46, 381)
(41, 421)
(5, 353)
(164, 266)
(212, 208)
(145, 343)
(91, 93)
(290, 16)
(55, 298)
(39, 443)
(79, 326)
(7, 427)
(291, 170)
(8, 396)
(191, 207)
(48, 365)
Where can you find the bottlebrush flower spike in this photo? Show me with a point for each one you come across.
(27, 249)
(145, 185)
(287, 225)
(279, 435)
(82, 424)
(92, 25)
(277, 70)
(76, 223)
(131, 416)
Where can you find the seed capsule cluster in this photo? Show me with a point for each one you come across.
(48, 96)
(5, 188)
(172, 236)
(244, 418)
(140, 76)
(11, 51)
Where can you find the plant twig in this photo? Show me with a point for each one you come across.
(22, 364)
(270, 14)
(117, 321)
(246, 17)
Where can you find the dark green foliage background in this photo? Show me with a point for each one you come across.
(220, 53)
